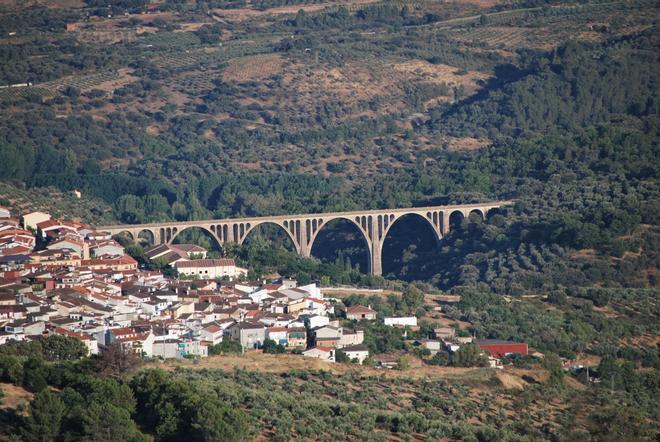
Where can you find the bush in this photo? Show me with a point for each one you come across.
(270, 346)
(227, 346)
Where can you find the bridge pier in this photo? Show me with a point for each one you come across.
(376, 258)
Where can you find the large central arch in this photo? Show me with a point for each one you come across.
(411, 239)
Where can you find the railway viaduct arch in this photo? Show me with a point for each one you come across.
(304, 229)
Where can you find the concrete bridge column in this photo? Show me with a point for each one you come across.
(230, 234)
(156, 235)
(303, 245)
(376, 254)
(445, 222)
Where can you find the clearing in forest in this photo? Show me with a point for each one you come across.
(14, 396)
(255, 67)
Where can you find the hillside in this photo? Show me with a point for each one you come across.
(217, 109)
(162, 110)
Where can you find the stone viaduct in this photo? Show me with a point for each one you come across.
(303, 229)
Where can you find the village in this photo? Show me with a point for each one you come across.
(66, 278)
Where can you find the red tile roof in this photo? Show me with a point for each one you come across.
(359, 309)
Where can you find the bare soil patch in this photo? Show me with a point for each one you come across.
(256, 67)
(340, 292)
(269, 363)
(14, 396)
(247, 13)
(467, 143)
(511, 381)
(17, 5)
(422, 70)
(356, 82)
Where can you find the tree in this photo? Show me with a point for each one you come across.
(45, 418)
(57, 348)
(341, 357)
(552, 363)
(214, 422)
(226, 346)
(34, 375)
(104, 422)
(469, 355)
(115, 361)
(413, 297)
(11, 369)
(440, 358)
(270, 346)
(619, 423)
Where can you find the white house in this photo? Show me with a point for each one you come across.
(401, 321)
(294, 293)
(315, 321)
(210, 268)
(315, 306)
(105, 247)
(259, 296)
(278, 334)
(167, 349)
(351, 337)
(5, 212)
(69, 242)
(249, 334)
(30, 220)
(212, 333)
(359, 352)
(323, 353)
(312, 289)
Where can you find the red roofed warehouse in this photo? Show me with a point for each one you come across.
(498, 348)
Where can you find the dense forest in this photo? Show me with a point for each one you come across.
(569, 131)
(571, 134)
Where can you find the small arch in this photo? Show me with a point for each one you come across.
(146, 238)
(272, 232)
(124, 237)
(476, 215)
(196, 235)
(456, 219)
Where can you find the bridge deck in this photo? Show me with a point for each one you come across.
(487, 206)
